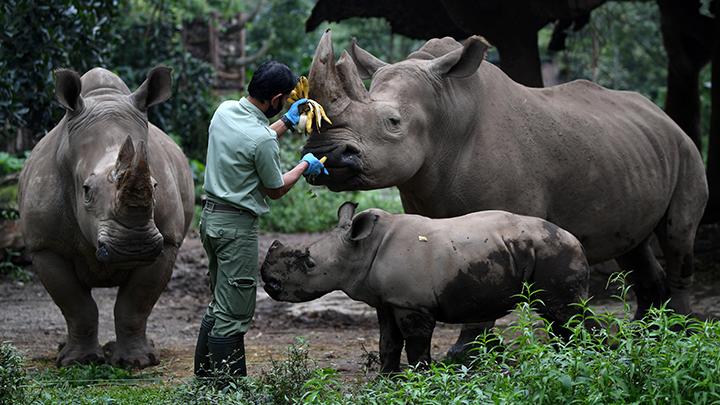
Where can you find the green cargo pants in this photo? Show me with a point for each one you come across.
(230, 241)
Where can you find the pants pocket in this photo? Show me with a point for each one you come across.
(245, 291)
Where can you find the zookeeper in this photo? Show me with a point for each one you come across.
(243, 168)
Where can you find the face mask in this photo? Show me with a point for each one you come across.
(271, 111)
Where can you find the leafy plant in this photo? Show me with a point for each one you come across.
(38, 37)
(12, 375)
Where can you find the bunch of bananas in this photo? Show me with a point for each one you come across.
(313, 112)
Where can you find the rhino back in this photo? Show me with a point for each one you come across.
(420, 258)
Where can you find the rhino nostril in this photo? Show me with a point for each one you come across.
(102, 251)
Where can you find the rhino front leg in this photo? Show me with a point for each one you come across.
(391, 341)
(417, 329)
(135, 301)
(468, 335)
(77, 305)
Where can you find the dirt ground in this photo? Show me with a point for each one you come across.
(339, 331)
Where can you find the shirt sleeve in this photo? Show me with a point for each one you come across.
(267, 163)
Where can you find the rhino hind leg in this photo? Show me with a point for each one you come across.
(135, 301)
(417, 329)
(77, 305)
(646, 276)
(469, 333)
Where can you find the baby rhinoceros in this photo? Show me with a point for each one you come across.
(416, 271)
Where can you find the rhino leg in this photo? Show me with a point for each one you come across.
(647, 277)
(468, 335)
(391, 341)
(135, 301)
(77, 305)
(417, 329)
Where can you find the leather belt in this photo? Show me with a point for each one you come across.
(213, 206)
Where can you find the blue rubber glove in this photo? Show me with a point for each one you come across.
(293, 113)
(315, 167)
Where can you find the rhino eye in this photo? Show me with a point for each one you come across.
(394, 121)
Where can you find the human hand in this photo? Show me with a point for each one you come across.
(293, 113)
(315, 166)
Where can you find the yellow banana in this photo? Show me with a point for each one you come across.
(308, 124)
(322, 113)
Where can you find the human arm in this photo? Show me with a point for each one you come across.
(309, 165)
(289, 180)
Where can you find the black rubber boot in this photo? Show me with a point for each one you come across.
(227, 354)
(203, 367)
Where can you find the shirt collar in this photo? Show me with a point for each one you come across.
(254, 110)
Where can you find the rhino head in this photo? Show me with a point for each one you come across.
(105, 157)
(385, 136)
(338, 261)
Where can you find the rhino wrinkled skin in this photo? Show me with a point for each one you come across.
(415, 271)
(106, 199)
(456, 135)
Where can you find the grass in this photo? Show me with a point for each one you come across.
(665, 358)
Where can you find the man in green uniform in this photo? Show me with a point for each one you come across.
(242, 168)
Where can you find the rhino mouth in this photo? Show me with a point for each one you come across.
(119, 244)
(344, 164)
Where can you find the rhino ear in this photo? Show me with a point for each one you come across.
(156, 88)
(464, 61)
(67, 89)
(362, 226)
(346, 212)
(366, 63)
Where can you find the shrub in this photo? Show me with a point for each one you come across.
(665, 358)
(12, 375)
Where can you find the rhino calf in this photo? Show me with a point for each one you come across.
(416, 271)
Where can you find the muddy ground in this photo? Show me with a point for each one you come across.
(339, 331)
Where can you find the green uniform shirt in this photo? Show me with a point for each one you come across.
(242, 155)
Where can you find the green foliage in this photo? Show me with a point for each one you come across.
(10, 163)
(665, 358)
(157, 41)
(312, 209)
(12, 375)
(282, 384)
(38, 37)
(11, 271)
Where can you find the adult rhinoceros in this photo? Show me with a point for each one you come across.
(105, 200)
(456, 135)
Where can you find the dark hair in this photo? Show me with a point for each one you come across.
(270, 79)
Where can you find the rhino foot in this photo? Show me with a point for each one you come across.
(73, 353)
(133, 356)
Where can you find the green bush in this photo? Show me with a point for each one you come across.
(157, 40)
(12, 375)
(665, 358)
(38, 37)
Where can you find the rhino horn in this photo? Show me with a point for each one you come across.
(350, 78)
(326, 87)
(135, 185)
(124, 159)
(367, 64)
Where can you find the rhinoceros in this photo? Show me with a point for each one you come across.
(105, 200)
(457, 135)
(416, 271)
